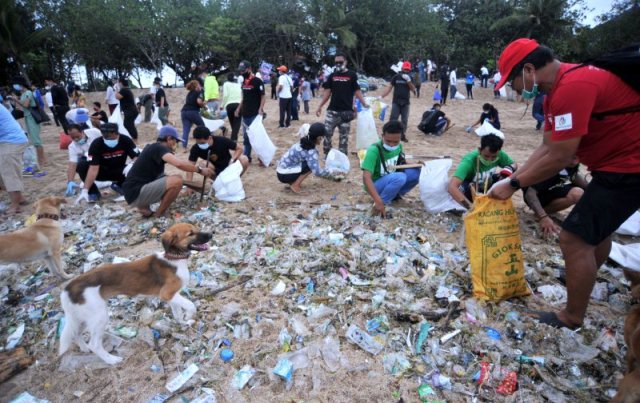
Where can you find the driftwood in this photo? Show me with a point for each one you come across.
(12, 362)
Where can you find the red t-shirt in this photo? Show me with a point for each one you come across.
(608, 145)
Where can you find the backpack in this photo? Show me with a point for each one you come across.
(427, 123)
(624, 63)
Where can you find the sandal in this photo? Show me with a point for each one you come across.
(549, 318)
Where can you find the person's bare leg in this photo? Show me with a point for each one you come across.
(296, 186)
(244, 161)
(174, 186)
(564, 202)
(42, 159)
(16, 199)
(581, 263)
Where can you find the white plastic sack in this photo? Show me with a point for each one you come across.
(631, 226)
(29, 158)
(627, 256)
(260, 141)
(116, 117)
(366, 133)
(487, 128)
(138, 119)
(212, 124)
(434, 181)
(503, 91)
(155, 119)
(228, 185)
(337, 161)
(459, 95)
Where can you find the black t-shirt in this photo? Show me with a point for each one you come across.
(102, 115)
(343, 86)
(563, 177)
(127, 102)
(437, 114)
(400, 89)
(147, 168)
(493, 117)
(111, 160)
(191, 103)
(159, 95)
(252, 92)
(59, 96)
(220, 156)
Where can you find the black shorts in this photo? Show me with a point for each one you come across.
(553, 194)
(290, 178)
(609, 200)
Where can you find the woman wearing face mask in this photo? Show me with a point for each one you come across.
(82, 136)
(28, 101)
(381, 181)
(482, 167)
(190, 113)
(302, 159)
(490, 113)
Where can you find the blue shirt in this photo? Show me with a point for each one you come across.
(10, 130)
(470, 78)
(291, 161)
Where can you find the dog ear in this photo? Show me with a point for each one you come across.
(168, 239)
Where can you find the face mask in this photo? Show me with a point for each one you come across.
(340, 66)
(111, 143)
(484, 161)
(246, 74)
(204, 146)
(82, 142)
(534, 91)
(17, 87)
(48, 87)
(390, 148)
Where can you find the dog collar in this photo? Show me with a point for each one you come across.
(49, 216)
(177, 256)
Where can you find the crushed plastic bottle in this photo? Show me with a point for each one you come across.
(243, 376)
(363, 340)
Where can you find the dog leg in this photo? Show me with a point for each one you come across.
(54, 264)
(84, 347)
(69, 333)
(97, 325)
(185, 307)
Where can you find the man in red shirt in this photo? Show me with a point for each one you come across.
(609, 145)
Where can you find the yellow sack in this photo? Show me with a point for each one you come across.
(492, 235)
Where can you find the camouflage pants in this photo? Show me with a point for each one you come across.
(332, 120)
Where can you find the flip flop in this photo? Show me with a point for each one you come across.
(549, 318)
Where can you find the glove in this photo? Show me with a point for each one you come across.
(467, 129)
(506, 171)
(71, 188)
(84, 195)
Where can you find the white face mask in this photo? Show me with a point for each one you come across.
(390, 148)
(203, 146)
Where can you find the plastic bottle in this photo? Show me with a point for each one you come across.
(363, 340)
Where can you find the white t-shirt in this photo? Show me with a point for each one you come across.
(77, 151)
(484, 71)
(49, 99)
(111, 96)
(453, 78)
(497, 77)
(286, 83)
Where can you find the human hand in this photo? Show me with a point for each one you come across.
(378, 208)
(549, 228)
(318, 112)
(71, 188)
(467, 129)
(501, 190)
(84, 195)
(207, 171)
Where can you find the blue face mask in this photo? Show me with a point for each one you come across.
(83, 141)
(17, 87)
(390, 148)
(534, 91)
(204, 146)
(111, 143)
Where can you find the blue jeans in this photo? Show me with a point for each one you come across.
(397, 184)
(189, 118)
(246, 122)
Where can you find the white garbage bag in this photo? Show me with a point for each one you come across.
(29, 158)
(228, 185)
(434, 181)
(213, 124)
(459, 95)
(116, 117)
(366, 132)
(503, 91)
(138, 119)
(487, 128)
(337, 161)
(631, 226)
(155, 119)
(627, 256)
(260, 141)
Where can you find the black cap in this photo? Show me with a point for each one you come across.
(244, 65)
(109, 127)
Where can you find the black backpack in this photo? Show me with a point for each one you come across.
(624, 63)
(427, 123)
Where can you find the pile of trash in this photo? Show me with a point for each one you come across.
(320, 305)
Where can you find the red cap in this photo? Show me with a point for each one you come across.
(512, 55)
(282, 69)
(406, 66)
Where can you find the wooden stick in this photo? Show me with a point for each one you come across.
(407, 166)
(204, 178)
(193, 185)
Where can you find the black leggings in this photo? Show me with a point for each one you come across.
(469, 90)
(234, 121)
(129, 119)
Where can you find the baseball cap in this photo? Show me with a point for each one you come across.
(513, 54)
(282, 69)
(168, 131)
(406, 66)
(244, 65)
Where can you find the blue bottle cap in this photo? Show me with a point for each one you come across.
(226, 355)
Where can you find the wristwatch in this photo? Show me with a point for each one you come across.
(514, 183)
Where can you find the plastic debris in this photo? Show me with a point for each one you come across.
(243, 376)
(226, 355)
(26, 397)
(284, 369)
(509, 384)
(182, 378)
(14, 338)
(363, 340)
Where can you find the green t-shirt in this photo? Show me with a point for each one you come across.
(466, 170)
(373, 163)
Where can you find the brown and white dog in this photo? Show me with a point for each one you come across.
(41, 240)
(84, 299)
(629, 386)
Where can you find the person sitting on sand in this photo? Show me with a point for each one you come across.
(490, 113)
(380, 179)
(302, 159)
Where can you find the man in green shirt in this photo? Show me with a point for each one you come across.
(380, 179)
(483, 167)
